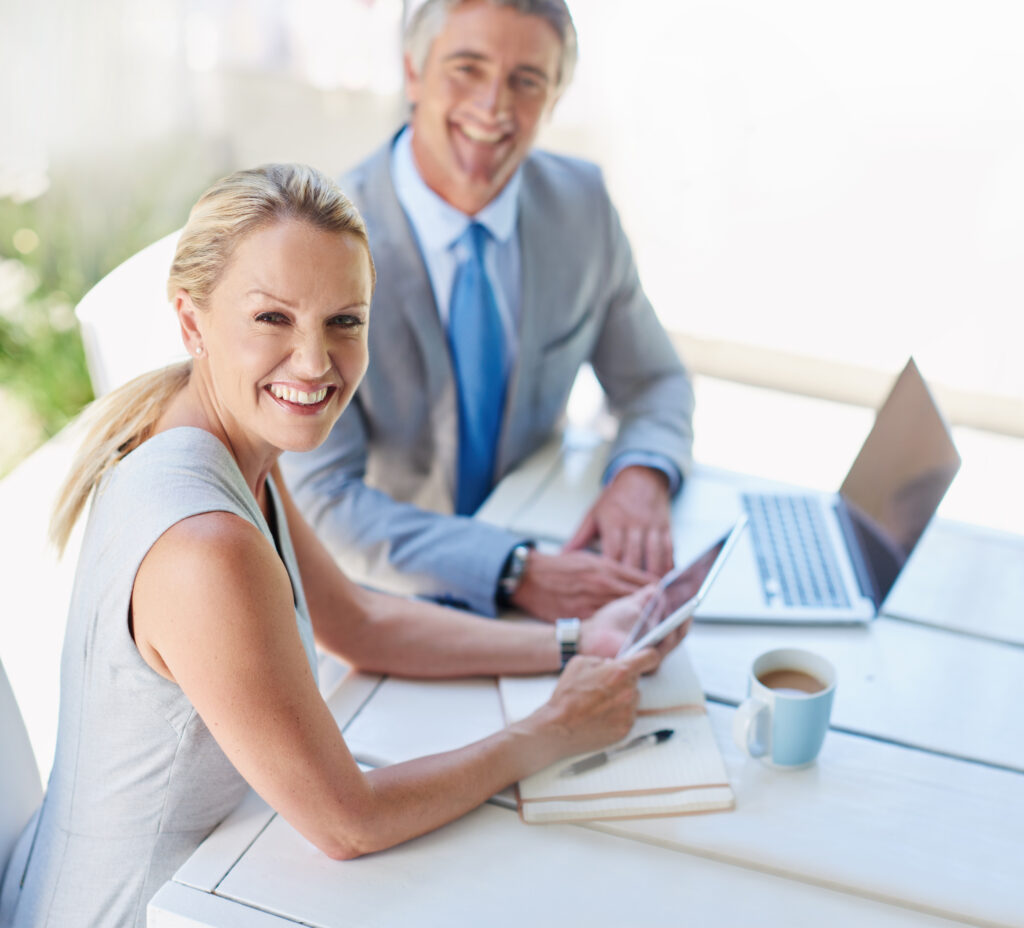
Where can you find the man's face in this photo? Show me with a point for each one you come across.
(489, 79)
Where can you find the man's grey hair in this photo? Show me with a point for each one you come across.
(428, 20)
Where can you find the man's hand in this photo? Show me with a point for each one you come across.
(632, 521)
(574, 583)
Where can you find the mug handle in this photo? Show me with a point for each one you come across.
(745, 723)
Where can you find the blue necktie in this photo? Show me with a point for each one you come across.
(478, 350)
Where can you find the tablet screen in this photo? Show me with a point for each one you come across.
(675, 590)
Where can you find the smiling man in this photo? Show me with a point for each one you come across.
(501, 270)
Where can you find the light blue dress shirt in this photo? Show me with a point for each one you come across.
(438, 226)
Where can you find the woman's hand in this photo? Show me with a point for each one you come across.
(606, 631)
(594, 703)
(604, 634)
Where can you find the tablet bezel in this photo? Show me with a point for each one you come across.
(634, 640)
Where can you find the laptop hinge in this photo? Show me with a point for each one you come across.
(861, 571)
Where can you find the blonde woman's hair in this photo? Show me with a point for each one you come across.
(231, 209)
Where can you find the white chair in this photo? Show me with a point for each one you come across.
(20, 788)
(127, 325)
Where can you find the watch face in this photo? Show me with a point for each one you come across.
(567, 634)
(512, 573)
(515, 568)
(567, 631)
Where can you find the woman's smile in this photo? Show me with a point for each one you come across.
(304, 402)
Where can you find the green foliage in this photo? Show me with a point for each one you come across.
(53, 248)
(47, 372)
(42, 363)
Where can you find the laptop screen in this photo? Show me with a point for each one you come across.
(904, 468)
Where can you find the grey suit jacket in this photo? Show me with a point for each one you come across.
(380, 490)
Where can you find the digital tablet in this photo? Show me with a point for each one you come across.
(679, 593)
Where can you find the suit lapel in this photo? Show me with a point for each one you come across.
(535, 323)
(405, 284)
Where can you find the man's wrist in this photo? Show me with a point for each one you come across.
(512, 573)
(649, 460)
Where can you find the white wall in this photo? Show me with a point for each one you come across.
(817, 178)
(835, 179)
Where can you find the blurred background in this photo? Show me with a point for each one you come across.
(814, 191)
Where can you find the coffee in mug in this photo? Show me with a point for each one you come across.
(785, 716)
(788, 680)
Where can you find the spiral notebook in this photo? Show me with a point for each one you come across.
(680, 776)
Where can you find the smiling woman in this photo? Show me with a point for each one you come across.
(189, 671)
(280, 343)
(278, 205)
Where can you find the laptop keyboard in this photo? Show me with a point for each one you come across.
(793, 551)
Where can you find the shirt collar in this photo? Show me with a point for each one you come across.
(432, 214)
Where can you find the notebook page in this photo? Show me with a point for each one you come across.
(673, 685)
(689, 758)
(684, 774)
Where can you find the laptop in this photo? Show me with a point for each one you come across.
(833, 558)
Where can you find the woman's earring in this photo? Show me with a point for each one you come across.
(199, 351)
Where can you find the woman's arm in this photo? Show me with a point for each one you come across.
(213, 611)
(390, 634)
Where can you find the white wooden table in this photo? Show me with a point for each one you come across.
(913, 814)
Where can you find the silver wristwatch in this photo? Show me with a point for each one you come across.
(567, 634)
(512, 573)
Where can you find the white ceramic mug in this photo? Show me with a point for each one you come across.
(785, 715)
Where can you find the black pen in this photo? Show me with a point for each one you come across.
(602, 757)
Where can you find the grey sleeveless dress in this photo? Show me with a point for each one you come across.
(138, 781)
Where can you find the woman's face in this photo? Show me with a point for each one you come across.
(283, 341)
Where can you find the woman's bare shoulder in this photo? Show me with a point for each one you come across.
(217, 547)
(212, 577)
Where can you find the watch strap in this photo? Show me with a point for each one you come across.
(512, 573)
(567, 634)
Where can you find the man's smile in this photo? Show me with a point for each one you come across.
(479, 134)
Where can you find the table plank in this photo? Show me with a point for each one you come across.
(345, 692)
(874, 819)
(924, 687)
(411, 718)
(178, 906)
(966, 578)
(204, 870)
(489, 868)
(228, 841)
(931, 833)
